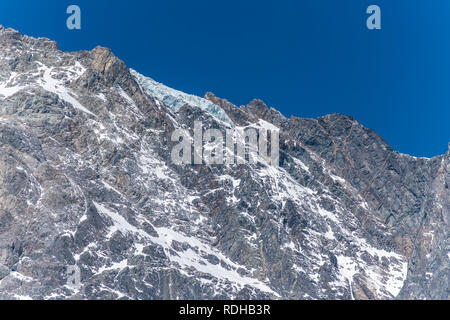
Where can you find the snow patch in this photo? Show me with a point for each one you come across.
(176, 99)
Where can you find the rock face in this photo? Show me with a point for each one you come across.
(92, 207)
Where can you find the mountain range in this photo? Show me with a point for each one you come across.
(92, 207)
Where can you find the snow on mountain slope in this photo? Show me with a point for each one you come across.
(176, 99)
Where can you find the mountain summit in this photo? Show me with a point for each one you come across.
(92, 207)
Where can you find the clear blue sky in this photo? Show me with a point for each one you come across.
(304, 57)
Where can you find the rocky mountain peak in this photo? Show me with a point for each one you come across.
(108, 65)
(257, 108)
(9, 33)
(12, 37)
(238, 115)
